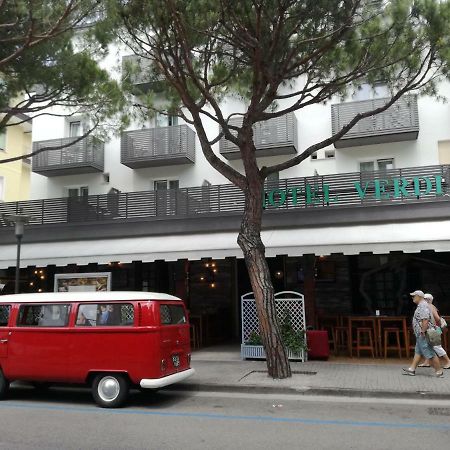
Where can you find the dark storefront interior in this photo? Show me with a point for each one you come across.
(332, 285)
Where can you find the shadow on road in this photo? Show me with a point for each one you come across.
(76, 395)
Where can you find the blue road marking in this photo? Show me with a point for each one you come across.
(296, 420)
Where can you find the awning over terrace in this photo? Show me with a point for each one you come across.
(410, 237)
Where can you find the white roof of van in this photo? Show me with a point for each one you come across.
(85, 297)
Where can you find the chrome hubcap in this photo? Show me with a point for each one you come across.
(108, 388)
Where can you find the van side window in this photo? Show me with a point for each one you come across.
(105, 314)
(44, 315)
(172, 314)
(4, 315)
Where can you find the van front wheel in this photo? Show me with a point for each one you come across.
(110, 390)
(4, 385)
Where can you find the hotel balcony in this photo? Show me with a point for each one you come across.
(398, 123)
(85, 156)
(156, 147)
(138, 71)
(273, 137)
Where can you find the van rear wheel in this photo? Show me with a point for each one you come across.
(4, 385)
(110, 390)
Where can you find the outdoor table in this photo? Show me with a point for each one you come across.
(376, 323)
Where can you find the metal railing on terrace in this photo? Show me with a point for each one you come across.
(273, 137)
(398, 123)
(84, 156)
(153, 147)
(357, 189)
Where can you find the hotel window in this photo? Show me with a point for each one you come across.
(3, 140)
(368, 92)
(2, 188)
(367, 166)
(75, 192)
(75, 129)
(385, 164)
(163, 185)
(166, 196)
(163, 120)
(380, 164)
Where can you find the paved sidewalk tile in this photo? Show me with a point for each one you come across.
(320, 375)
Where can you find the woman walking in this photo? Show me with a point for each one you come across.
(437, 321)
(421, 323)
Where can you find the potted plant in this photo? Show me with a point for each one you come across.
(293, 340)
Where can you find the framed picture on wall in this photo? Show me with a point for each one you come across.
(82, 282)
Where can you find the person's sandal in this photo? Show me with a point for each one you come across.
(408, 372)
(439, 374)
(425, 365)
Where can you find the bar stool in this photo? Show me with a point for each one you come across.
(411, 340)
(341, 339)
(392, 332)
(365, 335)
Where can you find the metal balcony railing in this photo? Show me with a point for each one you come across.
(273, 137)
(221, 200)
(141, 73)
(84, 156)
(398, 123)
(152, 147)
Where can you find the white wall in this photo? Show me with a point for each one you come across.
(314, 124)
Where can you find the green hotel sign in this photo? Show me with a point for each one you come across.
(379, 189)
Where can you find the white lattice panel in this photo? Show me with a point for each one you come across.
(286, 302)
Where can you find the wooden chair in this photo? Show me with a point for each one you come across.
(328, 323)
(411, 340)
(395, 332)
(341, 339)
(365, 340)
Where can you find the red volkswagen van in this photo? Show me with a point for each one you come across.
(110, 340)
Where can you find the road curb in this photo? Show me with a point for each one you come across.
(331, 392)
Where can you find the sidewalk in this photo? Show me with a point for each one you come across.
(224, 371)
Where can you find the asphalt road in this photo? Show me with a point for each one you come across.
(68, 419)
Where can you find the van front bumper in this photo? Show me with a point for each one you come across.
(156, 383)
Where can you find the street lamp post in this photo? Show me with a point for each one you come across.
(19, 221)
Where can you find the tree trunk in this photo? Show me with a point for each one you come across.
(250, 242)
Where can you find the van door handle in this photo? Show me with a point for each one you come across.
(3, 341)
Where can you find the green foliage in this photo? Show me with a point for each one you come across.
(294, 341)
(254, 339)
(60, 70)
(278, 54)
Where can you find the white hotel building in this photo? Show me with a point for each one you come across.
(147, 207)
